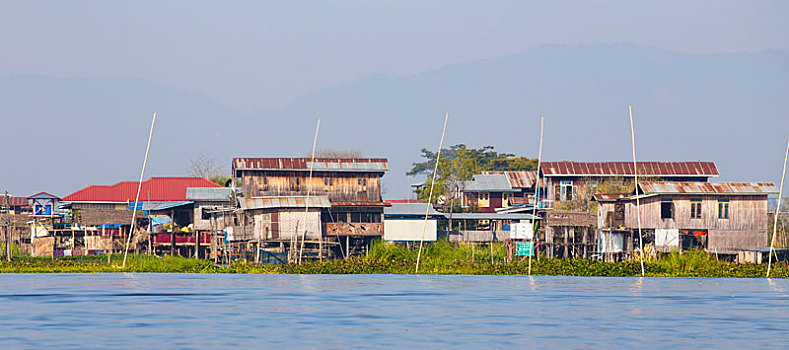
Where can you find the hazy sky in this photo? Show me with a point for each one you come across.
(252, 55)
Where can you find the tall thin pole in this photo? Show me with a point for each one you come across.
(537, 188)
(777, 212)
(6, 225)
(430, 196)
(139, 187)
(638, 204)
(307, 202)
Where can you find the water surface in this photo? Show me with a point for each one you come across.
(398, 311)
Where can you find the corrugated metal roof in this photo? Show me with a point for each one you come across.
(320, 164)
(662, 169)
(360, 204)
(163, 205)
(609, 197)
(410, 209)
(522, 179)
(488, 183)
(490, 216)
(155, 189)
(284, 202)
(518, 179)
(13, 201)
(737, 188)
(43, 195)
(208, 193)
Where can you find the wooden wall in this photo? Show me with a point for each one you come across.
(284, 224)
(730, 241)
(745, 213)
(344, 187)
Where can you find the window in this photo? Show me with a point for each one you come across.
(695, 208)
(723, 208)
(331, 181)
(298, 182)
(364, 182)
(265, 180)
(566, 190)
(359, 182)
(666, 208)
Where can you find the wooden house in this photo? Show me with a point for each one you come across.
(494, 190)
(722, 218)
(569, 181)
(351, 185)
(285, 217)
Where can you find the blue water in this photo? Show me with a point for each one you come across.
(61, 311)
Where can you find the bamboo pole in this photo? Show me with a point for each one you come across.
(638, 204)
(6, 226)
(139, 187)
(430, 196)
(777, 212)
(307, 202)
(537, 196)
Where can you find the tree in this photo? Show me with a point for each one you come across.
(336, 153)
(458, 164)
(209, 168)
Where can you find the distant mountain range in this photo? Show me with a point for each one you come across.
(62, 134)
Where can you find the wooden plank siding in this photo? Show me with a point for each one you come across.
(746, 226)
(745, 213)
(343, 187)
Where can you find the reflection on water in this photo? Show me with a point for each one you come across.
(360, 311)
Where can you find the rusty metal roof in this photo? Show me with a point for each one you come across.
(360, 204)
(660, 169)
(521, 179)
(321, 164)
(733, 188)
(13, 201)
(284, 202)
(518, 179)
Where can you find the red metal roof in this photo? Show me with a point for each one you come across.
(43, 195)
(660, 169)
(320, 164)
(158, 189)
(743, 188)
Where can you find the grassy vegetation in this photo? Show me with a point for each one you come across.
(437, 258)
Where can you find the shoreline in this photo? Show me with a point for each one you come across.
(688, 265)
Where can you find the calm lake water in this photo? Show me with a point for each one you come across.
(363, 311)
